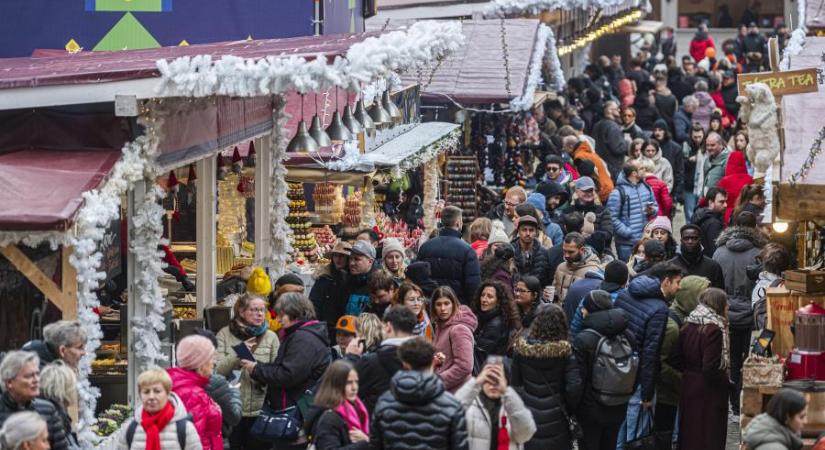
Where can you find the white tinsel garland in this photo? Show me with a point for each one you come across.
(369, 60)
(793, 48)
(448, 143)
(430, 195)
(368, 210)
(525, 102)
(279, 209)
(33, 239)
(503, 8)
(558, 82)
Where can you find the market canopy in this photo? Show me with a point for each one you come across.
(406, 150)
(43, 189)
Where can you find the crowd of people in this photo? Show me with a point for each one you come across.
(572, 314)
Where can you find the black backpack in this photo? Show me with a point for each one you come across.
(615, 365)
(180, 427)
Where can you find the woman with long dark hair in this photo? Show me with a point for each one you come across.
(498, 318)
(780, 426)
(527, 297)
(546, 376)
(751, 198)
(499, 265)
(339, 420)
(454, 327)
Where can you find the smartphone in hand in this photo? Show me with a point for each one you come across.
(243, 352)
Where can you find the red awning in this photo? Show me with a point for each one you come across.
(42, 189)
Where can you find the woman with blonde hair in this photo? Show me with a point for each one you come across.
(370, 330)
(58, 384)
(412, 297)
(393, 259)
(24, 430)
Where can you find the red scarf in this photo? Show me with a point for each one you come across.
(503, 435)
(153, 424)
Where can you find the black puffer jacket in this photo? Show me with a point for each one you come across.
(57, 433)
(608, 323)
(329, 296)
(453, 263)
(534, 263)
(492, 334)
(546, 376)
(302, 358)
(229, 400)
(375, 370)
(45, 352)
(417, 413)
(330, 432)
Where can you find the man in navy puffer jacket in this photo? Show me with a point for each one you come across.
(631, 205)
(645, 307)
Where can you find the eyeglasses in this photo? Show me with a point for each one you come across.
(521, 291)
(628, 115)
(553, 169)
(257, 310)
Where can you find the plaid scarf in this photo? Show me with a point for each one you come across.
(703, 315)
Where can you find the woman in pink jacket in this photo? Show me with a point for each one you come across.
(454, 327)
(196, 359)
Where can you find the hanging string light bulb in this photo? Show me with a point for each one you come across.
(302, 142)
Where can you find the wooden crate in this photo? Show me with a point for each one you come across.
(808, 281)
(755, 399)
(782, 305)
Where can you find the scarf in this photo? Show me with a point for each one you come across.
(422, 327)
(244, 332)
(355, 415)
(153, 424)
(692, 258)
(703, 315)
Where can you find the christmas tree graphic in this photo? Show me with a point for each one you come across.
(128, 32)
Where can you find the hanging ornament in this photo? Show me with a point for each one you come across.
(237, 161)
(172, 183)
(191, 191)
(251, 155)
(222, 169)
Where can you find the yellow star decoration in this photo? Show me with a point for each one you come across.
(73, 47)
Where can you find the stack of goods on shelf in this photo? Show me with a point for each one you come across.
(328, 202)
(388, 228)
(514, 167)
(325, 238)
(462, 173)
(303, 241)
(353, 209)
(111, 420)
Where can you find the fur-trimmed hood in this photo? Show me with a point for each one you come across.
(533, 348)
(741, 239)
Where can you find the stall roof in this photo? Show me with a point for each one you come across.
(476, 73)
(396, 151)
(815, 13)
(43, 189)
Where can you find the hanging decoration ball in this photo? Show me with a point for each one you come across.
(302, 142)
(317, 132)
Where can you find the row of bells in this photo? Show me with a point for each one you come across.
(383, 114)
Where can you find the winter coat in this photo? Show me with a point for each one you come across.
(229, 401)
(568, 272)
(646, 113)
(576, 292)
(420, 273)
(375, 370)
(698, 45)
(662, 194)
(453, 263)
(672, 152)
(46, 410)
(719, 101)
(682, 124)
(252, 392)
(492, 334)
(44, 350)
(703, 404)
(702, 266)
(766, 433)
(608, 323)
(329, 295)
(666, 105)
(729, 94)
(633, 131)
(690, 166)
(610, 145)
(664, 171)
(626, 92)
(714, 170)
(604, 218)
(669, 383)
(455, 340)
(71, 437)
(302, 358)
(546, 376)
(191, 389)
(168, 435)
(736, 249)
(518, 419)
(535, 263)
(627, 210)
(584, 151)
(479, 246)
(646, 312)
(736, 177)
(704, 110)
(711, 224)
(765, 281)
(417, 413)
(330, 432)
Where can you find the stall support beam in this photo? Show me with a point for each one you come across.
(135, 308)
(206, 232)
(263, 199)
(53, 292)
(68, 283)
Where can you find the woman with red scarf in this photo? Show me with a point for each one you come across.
(339, 420)
(156, 422)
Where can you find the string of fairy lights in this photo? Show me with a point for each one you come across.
(598, 31)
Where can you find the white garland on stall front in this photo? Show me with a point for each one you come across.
(279, 209)
(503, 8)
(448, 143)
(367, 61)
(430, 195)
(558, 81)
(797, 40)
(525, 102)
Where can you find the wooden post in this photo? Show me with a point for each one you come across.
(40, 280)
(69, 284)
(205, 232)
(263, 199)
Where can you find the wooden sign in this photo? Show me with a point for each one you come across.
(800, 81)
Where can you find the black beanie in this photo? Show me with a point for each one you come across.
(616, 272)
(290, 279)
(597, 300)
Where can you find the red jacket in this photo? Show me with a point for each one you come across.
(727, 117)
(206, 414)
(662, 195)
(697, 48)
(736, 177)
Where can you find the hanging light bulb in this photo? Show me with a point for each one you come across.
(302, 142)
(391, 108)
(365, 119)
(349, 121)
(317, 131)
(336, 130)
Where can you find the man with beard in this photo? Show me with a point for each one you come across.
(673, 154)
(361, 259)
(586, 202)
(506, 211)
(610, 143)
(755, 49)
(556, 197)
(711, 220)
(691, 259)
(578, 260)
(631, 205)
(531, 257)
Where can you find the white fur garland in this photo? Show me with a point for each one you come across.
(525, 102)
(793, 48)
(279, 209)
(365, 62)
(504, 8)
(558, 82)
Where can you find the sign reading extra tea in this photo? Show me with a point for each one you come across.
(782, 83)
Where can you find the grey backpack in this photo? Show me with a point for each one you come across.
(614, 369)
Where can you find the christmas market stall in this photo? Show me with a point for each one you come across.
(128, 127)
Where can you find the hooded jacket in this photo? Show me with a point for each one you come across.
(610, 145)
(303, 356)
(534, 263)
(702, 266)
(455, 339)
(578, 289)
(567, 273)
(704, 110)
(766, 433)
(662, 194)
(252, 392)
(646, 311)
(46, 410)
(228, 400)
(701, 41)
(168, 435)
(584, 151)
(546, 376)
(376, 369)
(516, 417)
(712, 224)
(670, 379)
(608, 323)
(736, 177)
(44, 350)
(664, 171)
(682, 122)
(736, 248)
(453, 263)
(191, 389)
(627, 210)
(714, 170)
(549, 189)
(416, 413)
